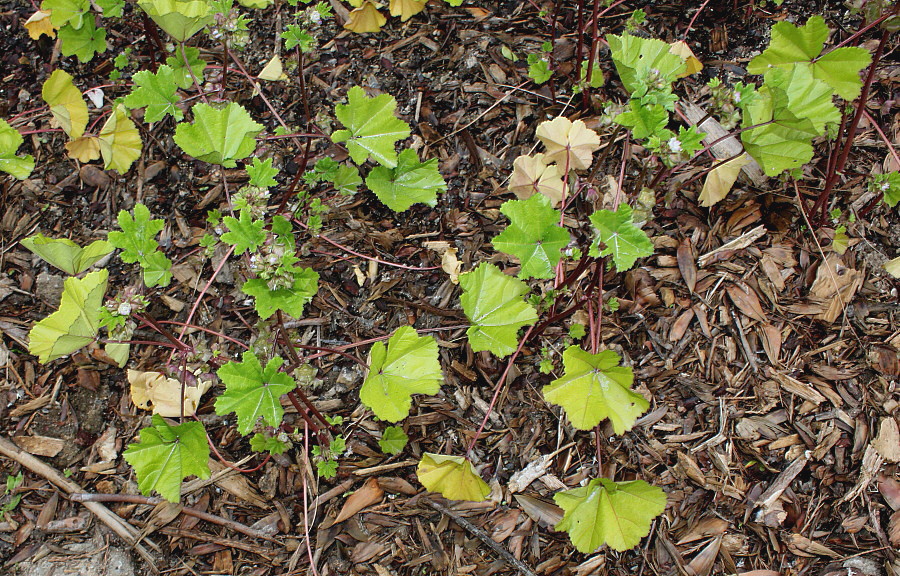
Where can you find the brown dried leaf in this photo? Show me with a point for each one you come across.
(687, 265)
(887, 442)
(834, 287)
(802, 546)
(771, 341)
(40, 445)
(370, 493)
(746, 301)
(681, 325)
(544, 513)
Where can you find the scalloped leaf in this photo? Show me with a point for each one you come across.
(179, 19)
(67, 255)
(166, 455)
(157, 93)
(252, 392)
(407, 365)
(570, 144)
(594, 387)
(534, 236)
(410, 182)
(77, 321)
(533, 175)
(69, 110)
(493, 304)
(138, 244)
(635, 57)
(618, 514)
(371, 127)
(393, 440)
(218, 135)
(366, 18)
(19, 167)
(452, 477)
(120, 141)
(291, 301)
(624, 241)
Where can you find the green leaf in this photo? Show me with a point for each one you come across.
(594, 387)
(19, 167)
(138, 244)
(452, 477)
(409, 183)
(262, 174)
(77, 321)
(262, 443)
(394, 440)
(291, 301)
(197, 65)
(294, 35)
(493, 304)
(111, 8)
(218, 135)
(408, 365)
(534, 236)
(605, 512)
(371, 127)
(889, 185)
(644, 121)
(179, 19)
(538, 69)
(120, 141)
(67, 255)
(64, 12)
(244, 234)
(166, 455)
(66, 103)
(156, 92)
(794, 108)
(624, 241)
(346, 179)
(253, 393)
(82, 42)
(801, 46)
(635, 58)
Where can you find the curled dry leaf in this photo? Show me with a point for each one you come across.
(720, 180)
(366, 18)
(153, 391)
(39, 23)
(371, 493)
(692, 64)
(569, 144)
(534, 174)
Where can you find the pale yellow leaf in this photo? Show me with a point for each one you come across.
(720, 180)
(533, 174)
(406, 9)
(893, 267)
(70, 112)
(840, 242)
(451, 265)
(569, 144)
(39, 23)
(682, 50)
(120, 142)
(366, 18)
(273, 70)
(153, 391)
(451, 476)
(84, 148)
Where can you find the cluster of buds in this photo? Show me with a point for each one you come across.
(252, 198)
(724, 103)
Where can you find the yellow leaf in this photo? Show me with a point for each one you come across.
(406, 9)
(39, 23)
(720, 180)
(532, 174)
(841, 241)
(893, 267)
(682, 50)
(153, 391)
(70, 112)
(84, 148)
(355, 3)
(120, 142)
(451, 476)
(570, 144)
(366, 18)
(273, 70)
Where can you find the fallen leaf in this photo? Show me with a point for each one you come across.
(84, 148)
(370, 493)
(153, 391)
(834, 287)
(364, 19)
(687, 264)
(893, 267)
(273, 70)
(746, 301)
(39, 23)
(570, 144)
(40, 445)
(682, 50)
(887, 442)
(406, 9)
(720, 180)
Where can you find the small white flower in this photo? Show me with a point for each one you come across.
(737, 97)
(674, 144)
(124, 309)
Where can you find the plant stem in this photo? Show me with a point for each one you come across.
(497, 388)
(821, 204)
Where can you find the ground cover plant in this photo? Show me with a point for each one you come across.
(300, 282)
